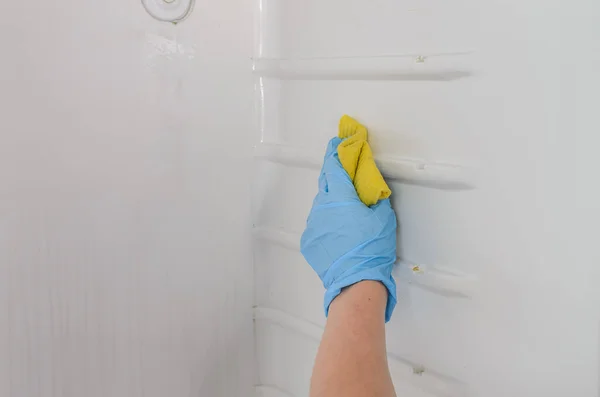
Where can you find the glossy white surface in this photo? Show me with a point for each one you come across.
(125, 250)
(126, 170)
(500, 94)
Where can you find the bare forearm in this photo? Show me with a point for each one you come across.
(352, 360)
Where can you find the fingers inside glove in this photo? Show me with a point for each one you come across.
(334, 180)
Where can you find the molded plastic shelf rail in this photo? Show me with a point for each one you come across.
(410, 378)
(429, 174)
(440, 280)
(435, 67)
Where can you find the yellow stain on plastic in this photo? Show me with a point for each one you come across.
(357, 159)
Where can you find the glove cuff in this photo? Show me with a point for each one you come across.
(335, 289)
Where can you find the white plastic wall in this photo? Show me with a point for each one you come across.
(125, 250)
(481, 117)
(127, 257)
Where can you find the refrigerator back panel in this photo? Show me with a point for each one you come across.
(472, 115)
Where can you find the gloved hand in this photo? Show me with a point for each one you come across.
(345, 241)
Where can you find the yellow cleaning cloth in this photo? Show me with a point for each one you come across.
(357, 159)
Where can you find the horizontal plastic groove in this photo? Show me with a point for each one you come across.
(433, 66)
(418, 172)
(402, 371)
(440, 280)
(271, 391)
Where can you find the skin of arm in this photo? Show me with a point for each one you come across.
(352, 248)
(352, 359)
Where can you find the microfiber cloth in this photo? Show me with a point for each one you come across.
(357, 159)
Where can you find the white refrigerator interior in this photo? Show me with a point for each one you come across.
(481, 117)
(125, 245)
(158, 159)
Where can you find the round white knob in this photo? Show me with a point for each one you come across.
(169, 10)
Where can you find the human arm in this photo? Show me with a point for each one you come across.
(352, 360)
(352, 248)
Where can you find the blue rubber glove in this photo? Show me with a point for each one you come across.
(345, 241)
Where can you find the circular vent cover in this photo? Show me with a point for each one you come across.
(169, 10)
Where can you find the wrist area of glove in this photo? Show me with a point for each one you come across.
(387, 280)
